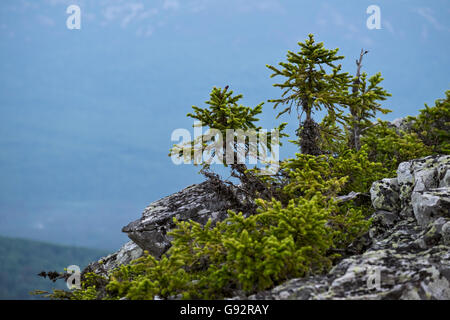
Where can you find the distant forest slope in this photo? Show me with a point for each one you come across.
(21, 260)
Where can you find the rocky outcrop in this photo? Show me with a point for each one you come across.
(384, 195)
(424, 188)
(409, 254)
(130, 251)
(410, 263)
(198, 202)
(406, 251)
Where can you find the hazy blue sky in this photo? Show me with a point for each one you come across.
(86, 115)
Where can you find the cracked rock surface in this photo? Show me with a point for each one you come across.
(198, 202)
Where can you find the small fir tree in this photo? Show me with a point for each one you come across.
(363, 103)
(309, 87)
(223, 112)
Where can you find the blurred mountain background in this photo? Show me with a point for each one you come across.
(21, 260)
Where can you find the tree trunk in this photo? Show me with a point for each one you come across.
(309, 137)
(355, 136)
(308, 133)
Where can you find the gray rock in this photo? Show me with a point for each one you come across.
(358, 198)
(382, 222)
(198, 203)
(435, 233)
(129, 252)
(385, 195)
(402, 124)
(295, 289)
(430, 205)
(445, 232)
(444, 177)
(424, 187)
(421, 175)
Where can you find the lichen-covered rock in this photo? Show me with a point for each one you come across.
(295, 289)
(404, 265)
(382, 222)
(420, 175)
(409, 257)
(444, 177)
(430, 205)
(198, 203)
(385, 195)
(129, 252)
(436, 232)
(425, 187)
(445, 233)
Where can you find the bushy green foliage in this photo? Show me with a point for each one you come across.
(432, 125)
(251, 253)
(223, 112)
(391, 146)
(417, 137)
(333, 140)
(363, 106)
(332, 176)
(349, 223)
(239, 254)
(351, 171)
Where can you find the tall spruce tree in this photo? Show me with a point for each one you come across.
(362, 102)
(309, 87)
